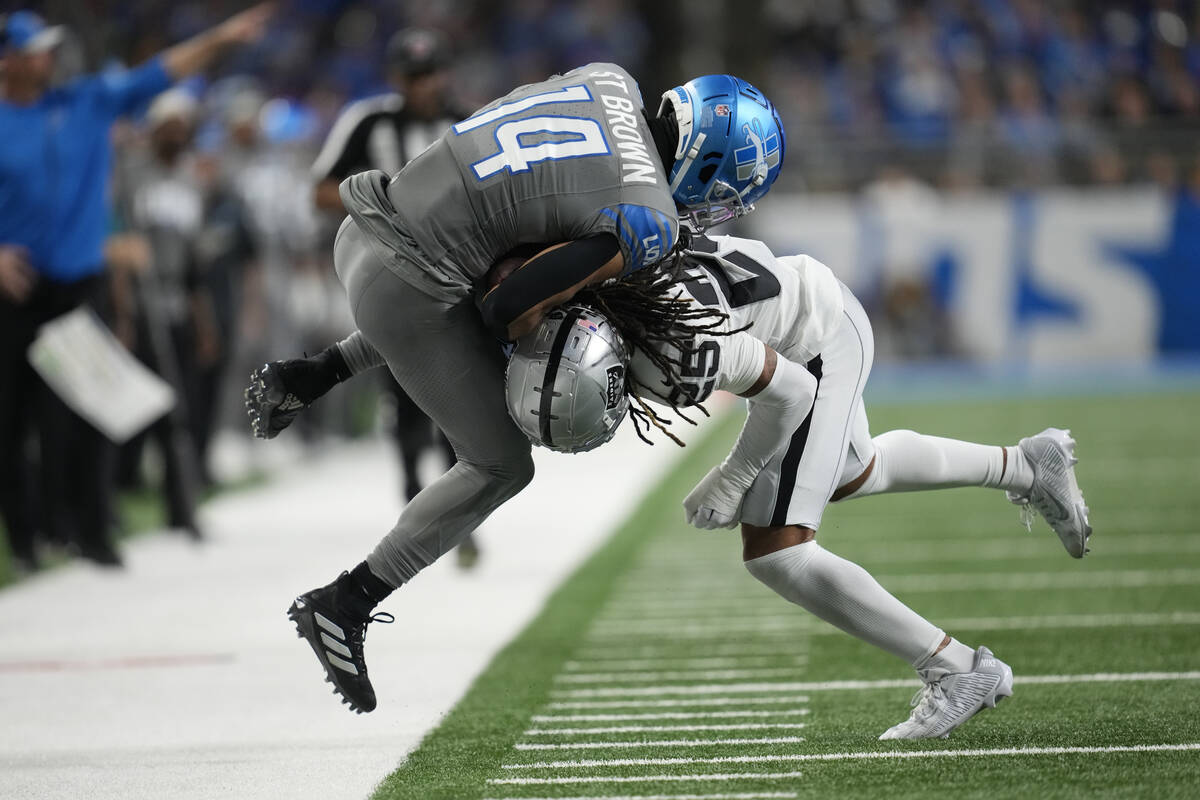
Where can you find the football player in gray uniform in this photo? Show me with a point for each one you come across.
(575, 160)
(785, 333)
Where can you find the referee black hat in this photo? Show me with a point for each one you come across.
(417, 51)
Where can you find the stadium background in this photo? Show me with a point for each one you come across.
(1012, 187)
(1002, 180)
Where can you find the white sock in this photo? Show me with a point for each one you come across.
(906, 461)
(954, 657)
(846, 596)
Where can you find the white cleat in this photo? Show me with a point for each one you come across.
(942, 705)
(1055, 493)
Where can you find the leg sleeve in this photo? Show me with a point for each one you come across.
(442, 356)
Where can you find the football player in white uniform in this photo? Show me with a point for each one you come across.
(785, 333)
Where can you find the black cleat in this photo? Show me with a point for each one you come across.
(269, 403)
(336, 636)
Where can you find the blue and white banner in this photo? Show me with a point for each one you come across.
(1046, 277)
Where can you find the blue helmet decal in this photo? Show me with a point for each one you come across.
(731, 147)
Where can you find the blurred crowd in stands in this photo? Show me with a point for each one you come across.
(219, 259)
(961, 93)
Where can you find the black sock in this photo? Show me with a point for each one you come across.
(360, 591)
(368, 585)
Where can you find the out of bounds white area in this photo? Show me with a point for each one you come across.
(181, 677)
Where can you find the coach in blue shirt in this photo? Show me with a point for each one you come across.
(55, 158)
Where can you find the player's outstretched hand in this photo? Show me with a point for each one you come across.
(247, 26)
(716, 502)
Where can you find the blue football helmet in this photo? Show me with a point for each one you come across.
(730, 150)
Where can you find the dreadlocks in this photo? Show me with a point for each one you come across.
(649, 309)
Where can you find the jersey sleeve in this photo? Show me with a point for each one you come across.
(743, 362)
(124, 90)
(646, 234)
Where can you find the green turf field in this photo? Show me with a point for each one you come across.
(661, 669)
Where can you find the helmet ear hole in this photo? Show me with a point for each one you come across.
(706, 172)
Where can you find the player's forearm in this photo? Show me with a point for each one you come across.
(194, 54)
(552, 277)
(775, 412)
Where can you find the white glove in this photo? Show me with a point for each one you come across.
(716, 502)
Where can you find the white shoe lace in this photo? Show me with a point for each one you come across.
(926, 701)
(1027, 512)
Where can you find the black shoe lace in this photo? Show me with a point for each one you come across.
(359, 631)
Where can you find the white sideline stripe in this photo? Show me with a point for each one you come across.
(816, 686)
(329, 625)
(334, 645)
(681, 663)
(658, 743)
(695, 703)
(733, 776)
(869, 755)
(791, 712)
(799, 621)
(672, 675)
(740, 726)
(737, 796)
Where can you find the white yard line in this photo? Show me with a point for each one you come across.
(1024, 581)
(933, 582)
(798, 621)
(672, 675)
(680, 663)
(795, 622)
(790, 712)
(723, 796)
(656, 743)
(868, 755)
(733, 776)
(742, 726)
(689, 703)
(176, 601)
(1147, 620)
(650, 650)
(763, 688)
(1020, 546)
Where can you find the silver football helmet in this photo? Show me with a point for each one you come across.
(565, 383)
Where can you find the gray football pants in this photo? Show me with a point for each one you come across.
(453, 369)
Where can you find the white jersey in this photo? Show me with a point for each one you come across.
(792, 304)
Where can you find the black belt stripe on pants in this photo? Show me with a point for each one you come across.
(791, 459)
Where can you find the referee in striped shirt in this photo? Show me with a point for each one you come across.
(384, 132)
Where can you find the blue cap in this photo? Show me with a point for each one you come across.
(25, 31)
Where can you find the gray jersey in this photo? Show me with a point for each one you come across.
(555, 161)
